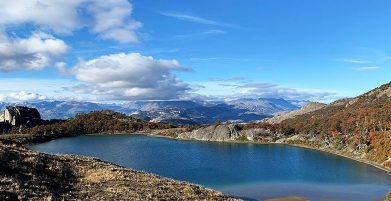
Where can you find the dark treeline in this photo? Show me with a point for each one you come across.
(91, 123)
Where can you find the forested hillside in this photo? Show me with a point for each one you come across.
(362, 123)
(94, 122)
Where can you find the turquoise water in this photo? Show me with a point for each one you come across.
(250, 171)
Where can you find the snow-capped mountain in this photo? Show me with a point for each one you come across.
(176, 112)
(263, 105)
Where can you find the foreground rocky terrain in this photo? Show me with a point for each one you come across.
(29, 175)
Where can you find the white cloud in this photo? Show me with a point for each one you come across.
(33, 53)
(223, 59)
(211, 32)
(238, 88)
(130, 76)
(111, 19)
(32, 84)
(367, 68)
(354, 61)
(61, 16)
(230, 79)
(198, 20)
(51, 88)
(21, 96)
(191, 18)
(270, 90)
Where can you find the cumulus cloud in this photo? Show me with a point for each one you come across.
(111, 19)
(60, 16)
(130, 76)
(33, 53)
(21, 96)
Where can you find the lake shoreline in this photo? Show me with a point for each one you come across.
(378, 166)
(132, 145)
(150, 134)
(29, 139)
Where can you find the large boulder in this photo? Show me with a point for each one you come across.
(20, 115)
(223, 132)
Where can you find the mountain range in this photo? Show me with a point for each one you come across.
(175, 112)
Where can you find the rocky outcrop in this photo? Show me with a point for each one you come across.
(20, 115)
(310, 107)
(29, 175)
(383, 91)
(223, 132)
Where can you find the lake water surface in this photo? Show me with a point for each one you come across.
(250, 171)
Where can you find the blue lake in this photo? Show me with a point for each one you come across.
(250, 171)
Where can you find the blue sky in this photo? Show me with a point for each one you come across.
(315, 50)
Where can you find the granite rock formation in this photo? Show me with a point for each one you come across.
(20, 115)
(223, 132)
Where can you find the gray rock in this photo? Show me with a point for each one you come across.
(224, 132)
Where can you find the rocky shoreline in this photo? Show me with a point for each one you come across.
(29, 175)
(229, 134)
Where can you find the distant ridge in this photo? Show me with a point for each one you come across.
(309, 107)
(180, 112)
